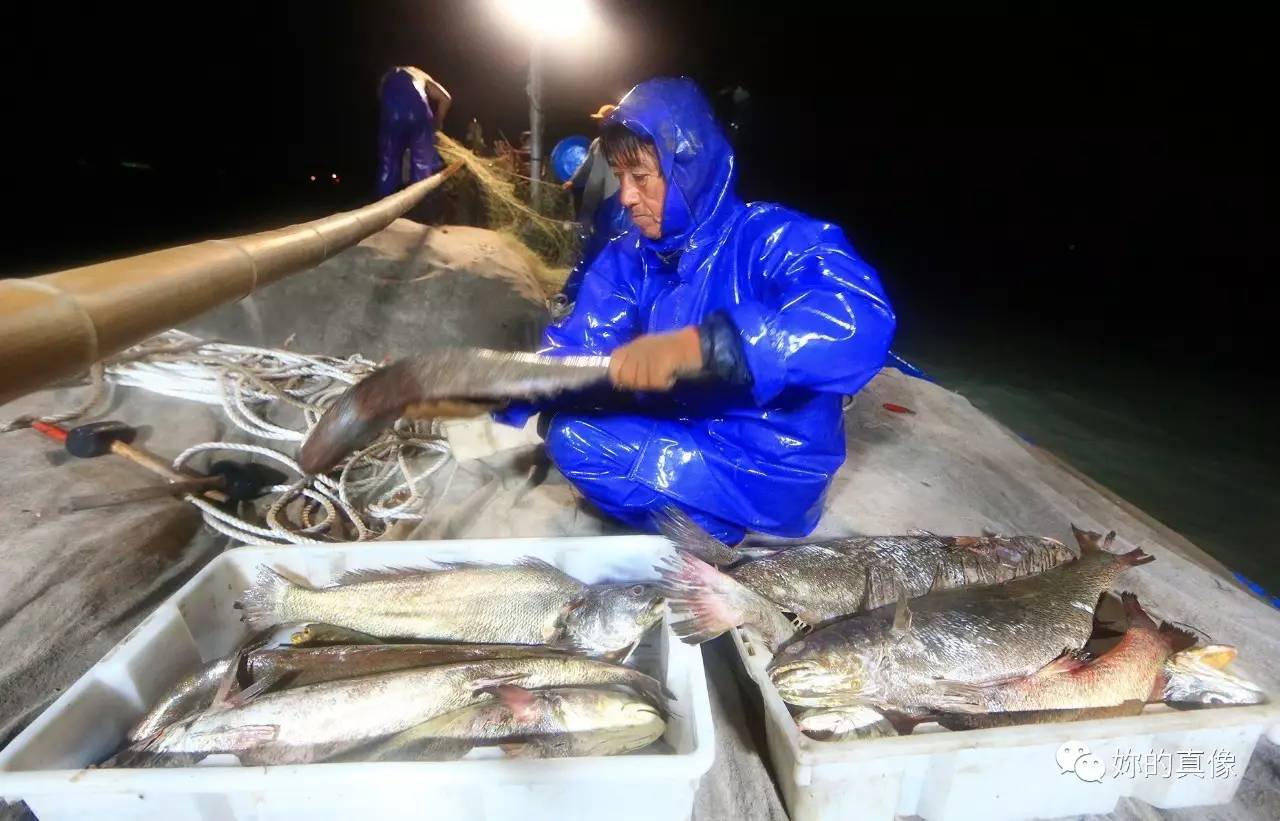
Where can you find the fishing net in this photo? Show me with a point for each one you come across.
(492, 194)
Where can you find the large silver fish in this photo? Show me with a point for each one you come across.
(196, 691)
(823, 581)
(297, 667)
(301, 725)
(1128, 671)
(468, 378)
(929, 655)
(529, 602)
(554, 723)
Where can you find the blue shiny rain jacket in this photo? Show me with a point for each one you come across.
(811, 318)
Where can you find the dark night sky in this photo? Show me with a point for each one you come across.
(1100, 181)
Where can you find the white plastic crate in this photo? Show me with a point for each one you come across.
(1005, 772)
(45, 764)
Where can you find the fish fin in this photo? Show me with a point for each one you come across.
(872, 589)
(959, 696)
(535, 563)
(1138, 617)
(518, 749)
(706, 602)
(1087, 539)
(488, 685)
(936, 583)
(238, 738)
(905, 723)
(1105, 633)
(251, 692)
(228, 685)
(1180, 639)
(902, 614)
(1067, 662)
(1136, 557)
(264, 601)
(388, 574)
(522, 703)
(655, 693)
(623, 655)
(684, 533)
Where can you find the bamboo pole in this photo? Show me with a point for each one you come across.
(57, 325)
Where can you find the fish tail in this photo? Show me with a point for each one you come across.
(264, 603)
(707, 602)
(686, 534)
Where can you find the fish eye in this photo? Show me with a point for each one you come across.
(1215, 698)
(637, 590)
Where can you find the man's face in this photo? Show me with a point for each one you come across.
(642, 191)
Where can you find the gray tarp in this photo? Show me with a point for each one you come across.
(73, 585)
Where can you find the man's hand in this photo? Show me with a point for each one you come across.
(654, 361)
(566, 185)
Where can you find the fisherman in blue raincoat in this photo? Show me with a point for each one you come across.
(774, 306)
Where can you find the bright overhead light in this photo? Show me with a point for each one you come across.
(549, 17)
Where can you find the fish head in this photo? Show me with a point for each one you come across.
(609, 618)
(839, 723)
(1197, 677)
(817, 679)
(595, 722)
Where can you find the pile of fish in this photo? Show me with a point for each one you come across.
(418, 665)
(875, 635)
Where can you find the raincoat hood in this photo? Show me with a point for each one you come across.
(696, 159)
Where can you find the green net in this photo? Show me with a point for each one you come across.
(491, 194)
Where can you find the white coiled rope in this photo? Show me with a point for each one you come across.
(376, 487)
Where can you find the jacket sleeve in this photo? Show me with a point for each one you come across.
(821, 319)
(605, 316)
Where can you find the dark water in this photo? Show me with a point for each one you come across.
(1194, 446)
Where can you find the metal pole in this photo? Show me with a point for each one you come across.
(535, 122)
(57, 325)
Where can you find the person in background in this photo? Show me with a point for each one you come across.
(599, 213)
(413, 108)
(475, 137)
